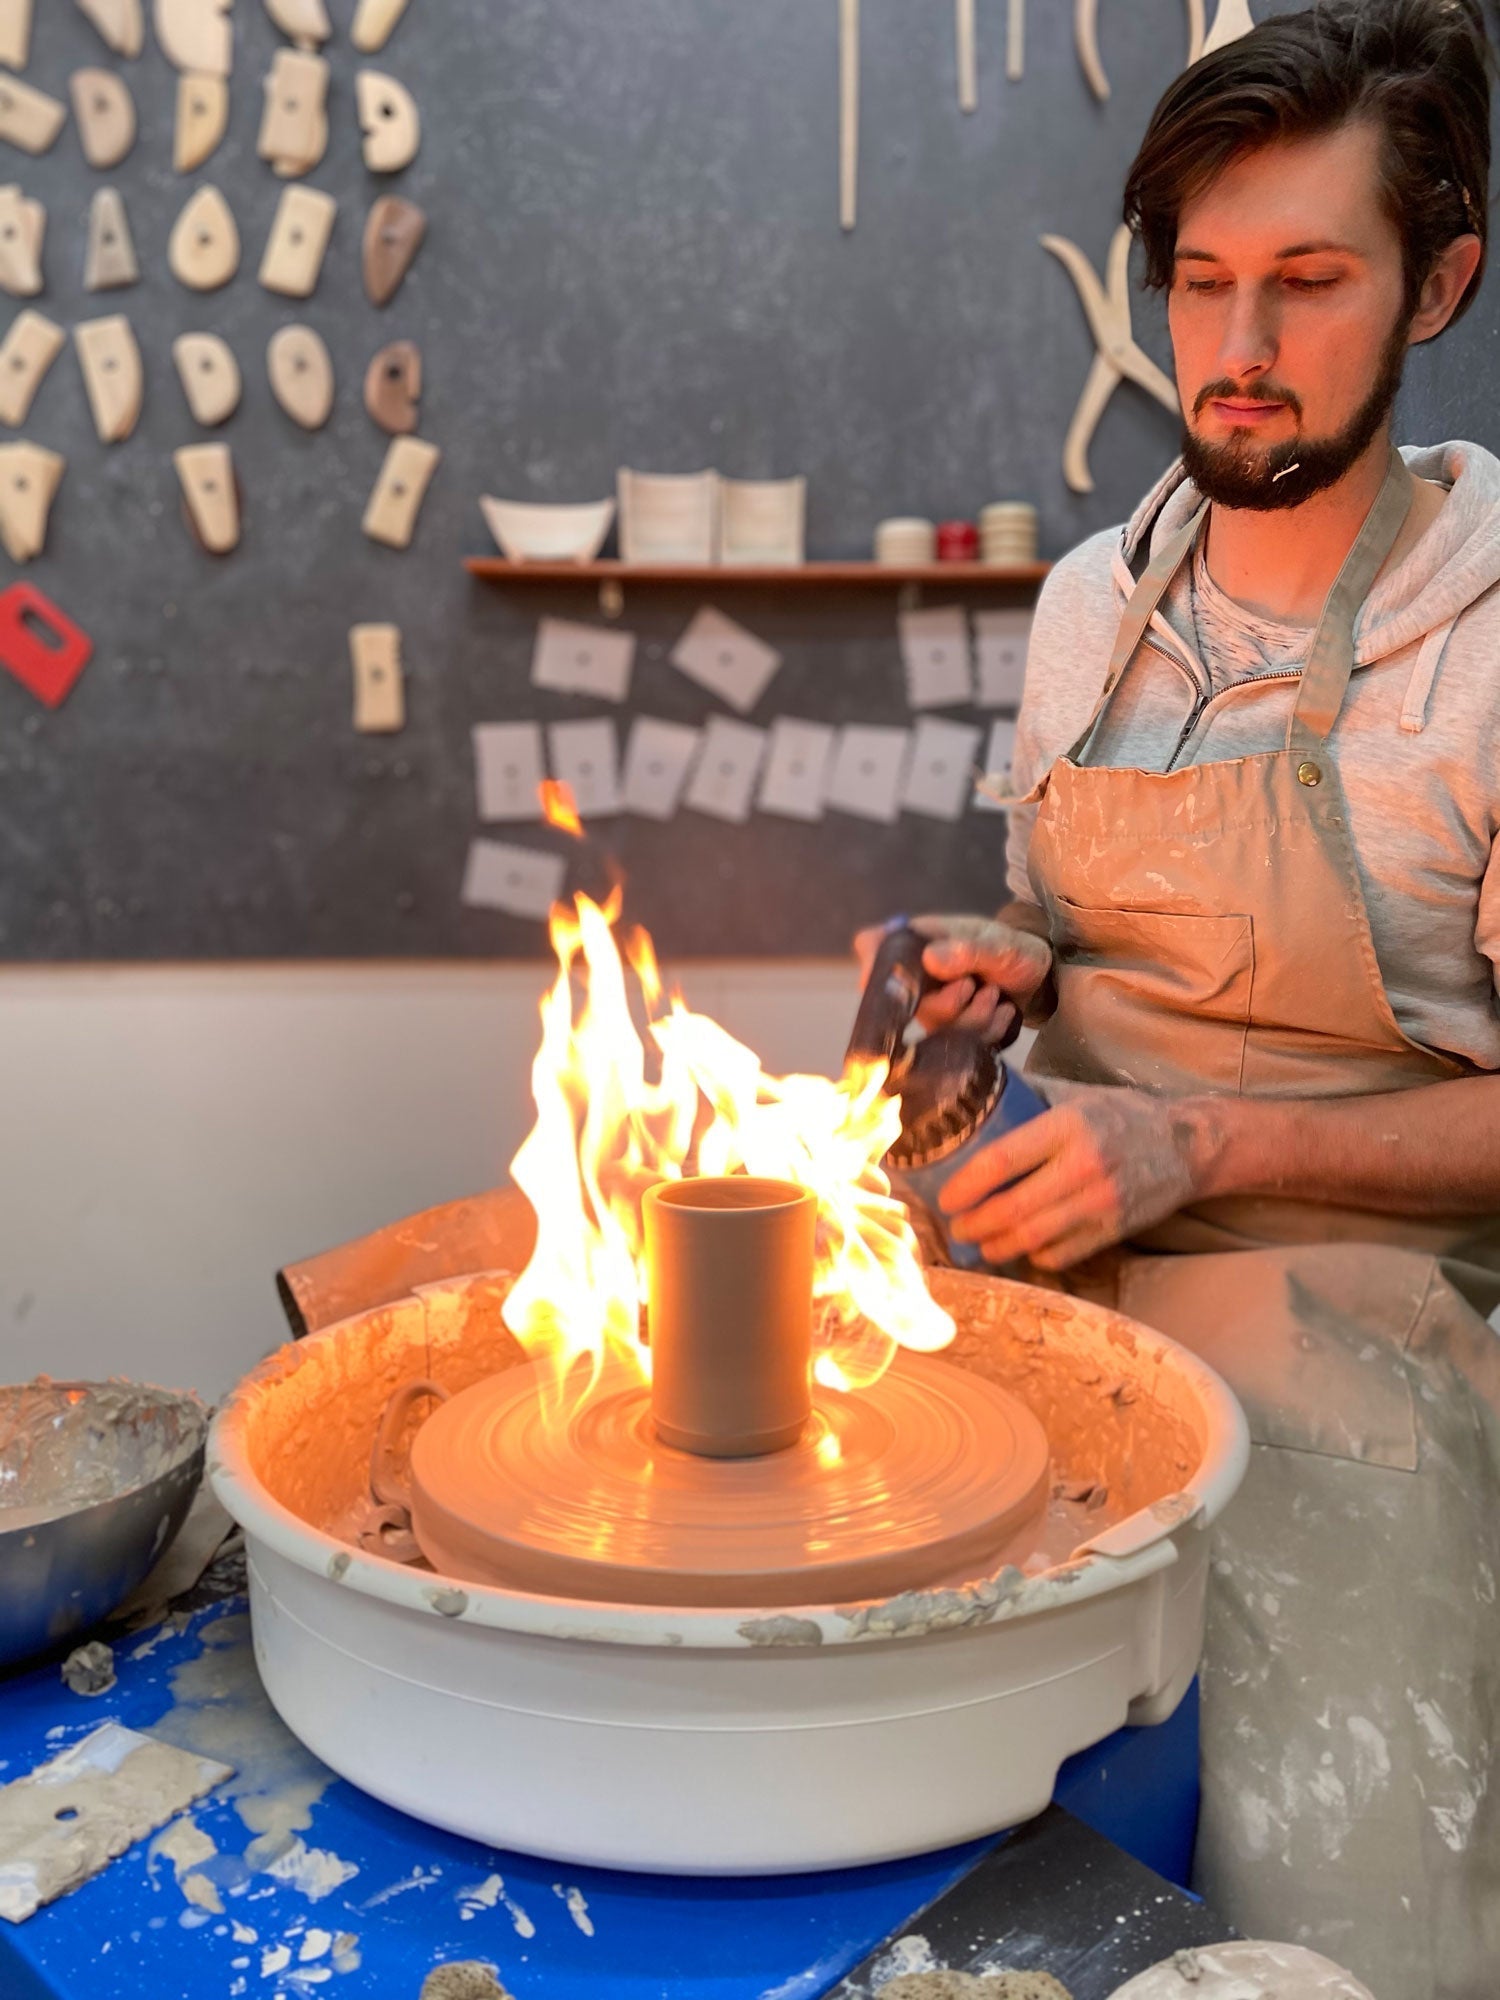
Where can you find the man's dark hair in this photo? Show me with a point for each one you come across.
(1417, 69)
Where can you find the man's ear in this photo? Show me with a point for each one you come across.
(1445, 285)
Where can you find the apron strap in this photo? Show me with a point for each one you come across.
(1330, 660)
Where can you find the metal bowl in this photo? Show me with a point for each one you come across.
(95, 1480)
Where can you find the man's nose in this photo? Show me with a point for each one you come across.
(1251, 336)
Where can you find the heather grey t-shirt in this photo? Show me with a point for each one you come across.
(1416, 746)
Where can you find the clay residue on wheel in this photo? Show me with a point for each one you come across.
(69, 1445)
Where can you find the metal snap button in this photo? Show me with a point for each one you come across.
(1309, 774)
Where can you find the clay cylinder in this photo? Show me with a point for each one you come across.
(730, 1266)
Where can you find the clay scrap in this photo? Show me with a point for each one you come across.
(105, 111)
(29, 478)
(30, 347)
(202, 116)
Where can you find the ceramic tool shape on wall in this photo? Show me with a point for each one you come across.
(1232, 20)
(105, 113)
(210, 495)
(1118, 358)
(301, 372)
(391, 516)
(298, 242)
(111, 261)
(1015, 40)
(1195, 30)
(15, 33)
(29, 479)
(29, 118)
(379, 692)
(374, 23)
(112, 375)
(393, 235)
(848, 112)
(31, 345)
(121, 23)
(968, 72)
(389, 119)
(196, 34)
(393, 386)
(209, 374)
(204, 247)
(294, 116)
(23, 224)
(304, 22)
(1086, 41)
(202, 119)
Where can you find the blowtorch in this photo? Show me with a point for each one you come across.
(956, 1093)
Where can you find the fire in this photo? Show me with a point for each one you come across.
(618, 1110)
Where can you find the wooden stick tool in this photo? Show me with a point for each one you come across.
(848, 111)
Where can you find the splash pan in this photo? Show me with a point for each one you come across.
(927, 1473)
(821, 1731)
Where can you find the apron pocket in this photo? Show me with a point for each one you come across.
(1155, 998)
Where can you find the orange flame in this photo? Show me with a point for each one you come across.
(609, 1125)
(558, 807)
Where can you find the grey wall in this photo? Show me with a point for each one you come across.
(633, 258)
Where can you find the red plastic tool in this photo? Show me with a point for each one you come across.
(41, 645)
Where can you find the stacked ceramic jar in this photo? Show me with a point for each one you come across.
(1007, 533)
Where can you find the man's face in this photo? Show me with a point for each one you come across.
(1288, 327)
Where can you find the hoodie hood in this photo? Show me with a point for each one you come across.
(1451, 567)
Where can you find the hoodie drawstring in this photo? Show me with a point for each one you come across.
(1423, 674)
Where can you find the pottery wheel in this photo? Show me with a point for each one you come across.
(934, 1471)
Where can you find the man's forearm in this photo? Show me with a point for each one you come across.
(1428, 1151)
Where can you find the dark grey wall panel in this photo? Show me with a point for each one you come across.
(633, 258)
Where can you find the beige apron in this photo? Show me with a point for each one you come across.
(1210, 934)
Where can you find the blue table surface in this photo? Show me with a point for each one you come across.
(371, 1900)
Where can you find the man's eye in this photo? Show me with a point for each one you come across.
(1311, 284)
(1203, 284)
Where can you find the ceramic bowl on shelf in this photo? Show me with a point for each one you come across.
(668, 517)
(536, 531)
(761, 520)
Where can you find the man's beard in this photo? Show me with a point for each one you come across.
(1238, 473)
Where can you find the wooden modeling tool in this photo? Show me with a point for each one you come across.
(1232, 20)
(29, 479)
(393, 386)
(23, 224)
(1015, 40)
(391, 516)
(15, 33)
(202, 117)
(393, 235)
(304, 22)
(389, 119)
(204, 247)
(968, 72)
(30, 347)
(301, 373)
(298, 241)
(105, 111)
(294, 118)
(196, 34)
(110, 263)
(112, 375)
(210, 495)
(1195, 30)
(374, 23)
(1107, 308)
(379, 696)
(209, 374)
(848, 112)
(121, 23)
(1086, 41)
(29, 118)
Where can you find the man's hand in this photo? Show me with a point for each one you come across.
(1087, 1174)
(989, 972)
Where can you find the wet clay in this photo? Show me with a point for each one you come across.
(69, 1445)
(1244, 1971)
(974, 1986)
(463, 1979)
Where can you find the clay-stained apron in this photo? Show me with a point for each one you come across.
(1211, 934)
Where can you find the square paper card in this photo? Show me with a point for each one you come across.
(935, 653)
(516, 879)
(723, 785)
(658, 758)
(796, 772)
(582, 659)
(992, 795)
(941, 773)
(1000, 642)
(508, 769)
(867, 771)
(726, 659)
(585, 756)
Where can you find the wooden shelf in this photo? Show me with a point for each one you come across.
(762, 576)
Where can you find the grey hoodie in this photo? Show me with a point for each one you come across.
(1416, 747)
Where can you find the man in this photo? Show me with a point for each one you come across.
(1256, 923)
